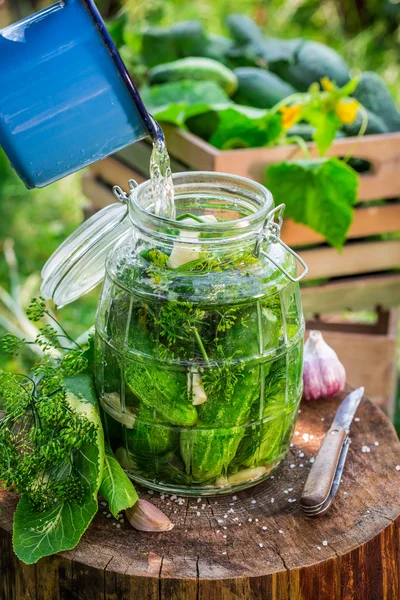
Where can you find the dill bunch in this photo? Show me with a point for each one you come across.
(40, 432)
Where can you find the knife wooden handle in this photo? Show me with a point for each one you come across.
(320, 479)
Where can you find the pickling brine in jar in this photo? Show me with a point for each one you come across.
(199, 339)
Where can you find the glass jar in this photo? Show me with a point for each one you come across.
(199, 339)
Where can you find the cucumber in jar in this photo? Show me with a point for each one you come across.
(231, 389)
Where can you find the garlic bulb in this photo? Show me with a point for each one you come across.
(323, 373)
(144, 516)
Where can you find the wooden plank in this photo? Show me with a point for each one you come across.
(372, 220)
(99, 194)
(383, 151)
(115, 172)
(355, 293)
(355, 258)
(191, 150)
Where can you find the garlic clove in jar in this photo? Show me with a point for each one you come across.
(184, 253)
(144, 516)
(111, 404)
(323, 373)
(195, 387)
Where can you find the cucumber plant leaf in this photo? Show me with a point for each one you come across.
(116, 486)
(244, 127)
(175, 102)
(319, 193)
(60, 527)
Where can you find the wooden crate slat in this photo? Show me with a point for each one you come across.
(383, 151)
(99, 194)
(355, 258)
(353, 293)
(367, 221)
(115, 172)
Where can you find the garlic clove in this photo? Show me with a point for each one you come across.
(323, 373)
(184, 253)
(144, 516)
(247, 475)
(123, 458)
(111, 404)
(195, 387)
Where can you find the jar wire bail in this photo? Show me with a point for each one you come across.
(271, 232)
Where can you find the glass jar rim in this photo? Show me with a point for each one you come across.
(196, 182)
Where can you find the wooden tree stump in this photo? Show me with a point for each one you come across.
(256, 545)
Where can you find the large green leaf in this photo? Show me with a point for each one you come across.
(245, 127)
(39, 534)
(175, 102)
(116, 486)
(319, 193)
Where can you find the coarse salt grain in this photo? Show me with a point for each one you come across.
(198, 513)
(261, 545)
(224, 553)
(318, 547)
(290, 489)
(285, 491)
(324, 543)
(312, 459)
(225, 516)
(224, 536)
(357, 419)
(219, 521)
(250, 520)
(397, 467)
(301, 465)
(322, 418)
(118, 526)
(297, 433)
(291, 445)
(273, 499)
(365, 449)
(218, 531)
(292, 466)
(234, 497)
(305, 437)
(311, 437)
(301, 454)
(264, 528)
(376, 443)
(256, 520)
(281, 531)
(254, 501)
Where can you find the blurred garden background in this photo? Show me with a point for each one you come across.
(34, 223)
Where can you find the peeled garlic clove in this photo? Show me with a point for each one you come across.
(111, 404)
(144, 516)
(247, 475)
(195, 387)
(323, 373)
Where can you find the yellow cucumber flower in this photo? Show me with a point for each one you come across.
(346, 110)
(327, 84)
(290, 115)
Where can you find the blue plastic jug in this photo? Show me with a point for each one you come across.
(66, 97)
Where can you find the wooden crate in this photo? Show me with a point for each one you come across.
(368, 353)
(363, 255)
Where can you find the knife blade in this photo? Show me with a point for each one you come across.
(322, 474)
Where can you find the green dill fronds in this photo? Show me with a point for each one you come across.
(12, 344)
(36, 309)
(73, 362)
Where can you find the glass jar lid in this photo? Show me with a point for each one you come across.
(78, 265)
